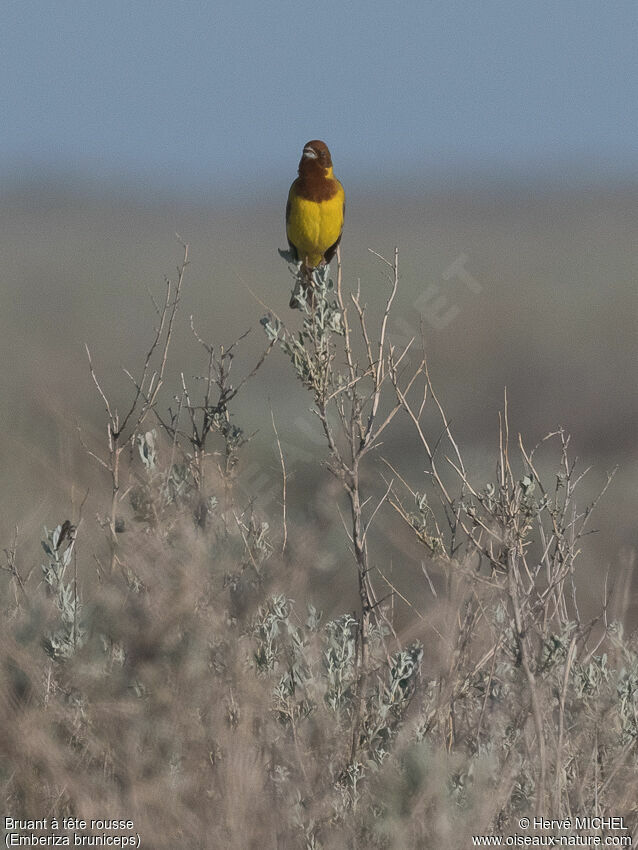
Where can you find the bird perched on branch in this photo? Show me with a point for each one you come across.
(314, 213)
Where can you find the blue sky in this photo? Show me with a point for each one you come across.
(193, 94)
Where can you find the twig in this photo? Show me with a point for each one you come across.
(283, 484)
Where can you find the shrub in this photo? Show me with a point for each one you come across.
(180, 685)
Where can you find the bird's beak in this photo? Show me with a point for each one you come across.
(310, 153)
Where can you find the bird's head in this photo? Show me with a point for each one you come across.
(315, 156)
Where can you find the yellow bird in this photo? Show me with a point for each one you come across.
(314, 212)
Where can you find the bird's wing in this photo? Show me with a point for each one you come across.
(332, 250)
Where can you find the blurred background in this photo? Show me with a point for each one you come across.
(493, 143)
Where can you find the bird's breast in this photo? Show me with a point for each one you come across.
(314, 226)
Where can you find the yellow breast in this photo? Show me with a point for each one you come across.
(313, 226)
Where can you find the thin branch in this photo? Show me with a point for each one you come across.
(283, 484)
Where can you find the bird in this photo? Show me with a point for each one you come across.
(314, 214)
